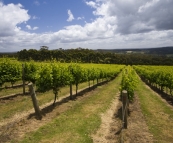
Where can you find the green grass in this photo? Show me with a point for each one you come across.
(10, 91)
(78, 123)
(158, 114)
(9, 83)
(23, 103)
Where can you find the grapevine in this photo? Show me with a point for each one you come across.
(129, 81)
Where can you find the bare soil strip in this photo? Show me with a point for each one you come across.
(102, 135)
(111, 130)
(137, 131)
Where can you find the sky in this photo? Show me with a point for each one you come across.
(96, 24)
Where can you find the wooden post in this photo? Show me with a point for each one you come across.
(34, 100)
(71, 94)
(23, 78)
(76, 88)
(89, 84)
(166, 90)
(124, 108)
(171, 91)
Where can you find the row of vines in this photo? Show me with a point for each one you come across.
(158, 76)
(129, 81)
(54, 75)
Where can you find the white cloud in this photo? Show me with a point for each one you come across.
(70, 16)
(117, 24)
(91, 4)
(35, 17)
(80, 18)
(30, 28)
(35, 28)
(11, 15)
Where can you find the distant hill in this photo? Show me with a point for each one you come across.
(156, 51)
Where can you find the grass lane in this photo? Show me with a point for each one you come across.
(24, 103)
(158, 114)
(78, 123)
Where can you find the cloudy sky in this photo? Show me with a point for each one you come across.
(96, 24)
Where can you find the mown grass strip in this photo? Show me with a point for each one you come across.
(158, 114)
(10, 91)
(78, 123)
(23, 103)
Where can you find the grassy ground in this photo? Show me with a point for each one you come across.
(158, 114)
(24, 103)
(83, 118)
(10, 91)
(9, 83)
(80, 121)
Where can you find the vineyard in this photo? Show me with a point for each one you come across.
(49, 79)
(54, 75)
(80, 91)
(158, 76)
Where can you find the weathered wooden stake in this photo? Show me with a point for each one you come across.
(89, 83)
(23, 78)
(34, 100)
(76, 88)
(71, 94)
(124, 108)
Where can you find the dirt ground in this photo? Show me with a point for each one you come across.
(111, 128)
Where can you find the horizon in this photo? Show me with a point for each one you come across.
(95, 49)
(96, 24)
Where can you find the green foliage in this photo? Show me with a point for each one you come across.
(2, 81)
(129, 81)
(10, 71)
(52, 76)
(30, 70)
(44, 78)
(78, 73)
(158, 75)
(91, 56)
(93, 74)
(60, 76)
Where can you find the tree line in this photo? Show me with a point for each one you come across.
(92, 56)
